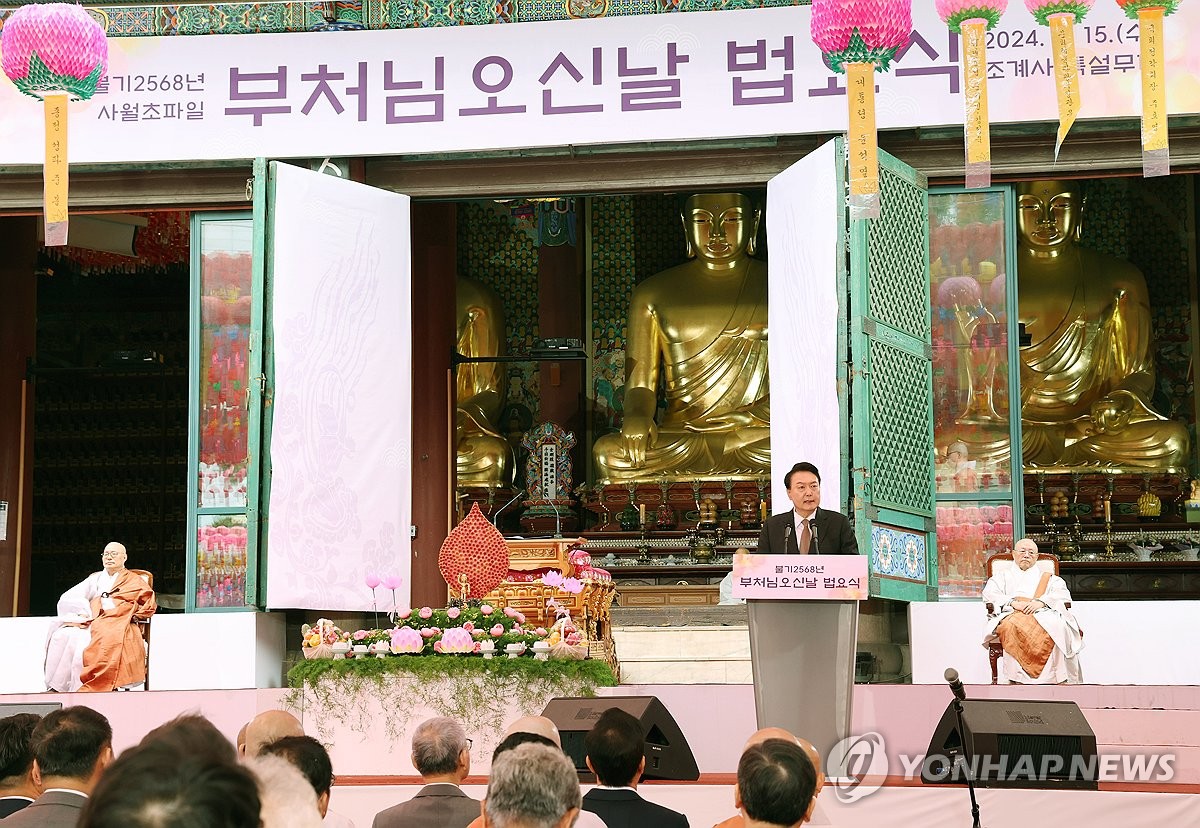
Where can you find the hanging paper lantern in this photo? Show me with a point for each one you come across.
(971, 19)
(1156, 155)
(1061, 16)
(55, 52)
(855, 37)
(860, 31)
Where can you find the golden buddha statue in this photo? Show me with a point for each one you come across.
(1087, 375)
(703, 326)
(484, 457)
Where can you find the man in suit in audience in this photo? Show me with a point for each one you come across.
(71, 748)
(16, 763)
(441, 753)
(616, 752)
(806, 528)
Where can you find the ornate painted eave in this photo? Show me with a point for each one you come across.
(134, 18)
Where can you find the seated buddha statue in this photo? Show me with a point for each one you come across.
(1087, 374)
(701, 330)
(484, 457)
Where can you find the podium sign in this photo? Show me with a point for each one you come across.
(803, 614)
(806, 577)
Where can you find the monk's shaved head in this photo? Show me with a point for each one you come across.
(268, 727)
(535, 724)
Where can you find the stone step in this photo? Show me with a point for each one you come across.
(696, 654)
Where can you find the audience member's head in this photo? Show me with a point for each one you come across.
(520, 737)
(532, 786)
(441, 751)
(311, 759)
(288, 801)
(16, 756)
(156, 785)
(615, 749)
(268, 727)
(776, 784)
(540, 725)
(192, 735)
(71, 747)
(814, 756)
(240, 744)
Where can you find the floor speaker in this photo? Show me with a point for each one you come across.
(668, 755)
(1013, 744)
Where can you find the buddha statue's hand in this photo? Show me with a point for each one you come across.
(639, 433)
(1112, 412)
(725, 422)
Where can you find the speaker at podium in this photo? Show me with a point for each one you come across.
(668, 755)
(1014, 744)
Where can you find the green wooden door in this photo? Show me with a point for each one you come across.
(891, 388)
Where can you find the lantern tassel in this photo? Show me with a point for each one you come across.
(54, 170)
(1066, 73)
(863, 141)
(975, 124)
(1156, 154)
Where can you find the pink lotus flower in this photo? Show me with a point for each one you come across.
(573, 638)
(540, 631)
(429, 632)
(372, 580)
(406, 640)
(404, 613)
(392, 581)
(457, 641)
(359, 635)
(479, 633)
(468, 626)
(486, 609)
(453, 612)
(510, 612)
(497, 631)
(426, 612)
(552, 578)
(572, 585)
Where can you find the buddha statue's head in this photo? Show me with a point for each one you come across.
(720, 227)
(1049, 215)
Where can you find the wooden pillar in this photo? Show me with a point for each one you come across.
(434, 265)
(18, 338)
(560, 305)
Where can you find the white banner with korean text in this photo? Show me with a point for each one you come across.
(664, 77)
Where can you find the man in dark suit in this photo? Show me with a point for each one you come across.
(71, 748)
(441, 753)
(806, 529)
(16, 763)
(616, 752)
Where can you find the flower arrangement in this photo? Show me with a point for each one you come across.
(454, 630)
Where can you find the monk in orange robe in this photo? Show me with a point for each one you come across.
(97, 646)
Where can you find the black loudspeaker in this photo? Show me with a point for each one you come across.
(1014, 744)
(668, 755)
(38, 708)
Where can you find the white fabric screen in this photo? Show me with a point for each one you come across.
(802, 234)
(340, 504)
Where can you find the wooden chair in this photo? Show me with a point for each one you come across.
(998, 562)
(144, 623)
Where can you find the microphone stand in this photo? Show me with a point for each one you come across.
(812, 525)
(959, 696)
(496, 516)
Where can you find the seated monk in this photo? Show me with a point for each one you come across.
(1041, 637)
(700, 329)
(96, 646)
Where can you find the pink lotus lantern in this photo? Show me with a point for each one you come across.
(1061, 16)
(55, 52)
(1156, 154)
(972, 19)
(855, 37)
(407, 641)
(456, 641)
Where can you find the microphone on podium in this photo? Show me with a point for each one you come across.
(787, 533)
(956, 685)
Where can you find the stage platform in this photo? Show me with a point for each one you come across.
(374, 770)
